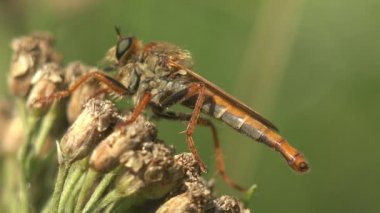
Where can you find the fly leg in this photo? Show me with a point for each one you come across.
(141, 105)
(158, 111)
(99, 92)
(199, 90)
(194, 89)
(111, 83)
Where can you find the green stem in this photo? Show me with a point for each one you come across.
(109, 199)
(91, 177)
(46, 126)
(9, 184)
(60, 182)
(100, 189)
(115, 195)
(70, 205)
(24, 195)
(76, 171)
(29, 124)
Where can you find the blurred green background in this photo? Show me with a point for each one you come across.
(311, 67)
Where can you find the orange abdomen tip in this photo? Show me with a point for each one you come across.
(299, 164)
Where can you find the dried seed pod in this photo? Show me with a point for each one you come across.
(87, 130)
(81, 95)
(196, 195)
(122, 140)
(150, 171)
(227, 204)
(46, 81)
(150, 160)
(29, 53)
(189, 165)
(195, 199)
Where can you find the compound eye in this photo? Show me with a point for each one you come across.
(123, 48)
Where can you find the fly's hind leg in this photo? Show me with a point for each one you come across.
(112, 84)
(217, 148)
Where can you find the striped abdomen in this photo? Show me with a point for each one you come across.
(245, 122)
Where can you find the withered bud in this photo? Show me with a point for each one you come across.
(80, 96)
(46, 81)
(195, 199)
(227, 204)
(88, 129)
(29, 53)
(151, 168)
(150, 161)
(105, 156)
(189, 165)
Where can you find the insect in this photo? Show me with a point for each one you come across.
(159, 75)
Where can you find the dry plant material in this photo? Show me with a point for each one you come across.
(29, 54)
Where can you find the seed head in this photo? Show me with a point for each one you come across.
(194, 199)
(121, 141)
(29, 53)
(46, 81)
(150, 167)
(88, 129)
(226, 204)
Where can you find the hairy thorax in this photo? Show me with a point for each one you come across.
(152, 73)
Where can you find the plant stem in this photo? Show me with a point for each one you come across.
(60, 182)
(9, 184)
(102, 186)
(30, 124)
(90, 179)
(75, 173)
(115, 195)
(46, 126)
(70, 205)
(110, 198)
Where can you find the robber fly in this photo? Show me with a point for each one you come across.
(159, 75)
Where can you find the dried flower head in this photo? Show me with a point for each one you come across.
(150, 171)
(46, 81)
(87, 130)
(29, 53)
(194, 199)
(189, 165)
(107, 154)
(228, 204)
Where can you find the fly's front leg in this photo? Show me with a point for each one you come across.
(217, 148)
(111, 83)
